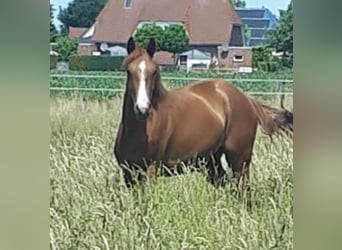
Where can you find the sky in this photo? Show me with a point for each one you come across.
(273, 5)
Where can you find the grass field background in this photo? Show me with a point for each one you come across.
(116, 80)
(91, 209)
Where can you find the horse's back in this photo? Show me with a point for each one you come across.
(203, 97)
(198, 115)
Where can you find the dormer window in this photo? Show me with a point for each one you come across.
(128, 3)
(236, 36)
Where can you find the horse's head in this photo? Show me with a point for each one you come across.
(142, 73)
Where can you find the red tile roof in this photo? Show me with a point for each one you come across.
(207, 21)
(76, 32)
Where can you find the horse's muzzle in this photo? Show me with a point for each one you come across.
(142, 113)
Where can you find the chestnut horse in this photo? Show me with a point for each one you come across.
(206, 119)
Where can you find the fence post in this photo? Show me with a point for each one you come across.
(282, 94)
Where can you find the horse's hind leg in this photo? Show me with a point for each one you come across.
(240, 166)
(216, 172)
(239, 163)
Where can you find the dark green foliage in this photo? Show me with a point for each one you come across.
(53, 62)
(238, 3)
(95, 63)
(281, 37)
(174, 39)
(246, 33)
(53, 30)
(80, 13)
(66, 47)
(147, 31)
(263, 59)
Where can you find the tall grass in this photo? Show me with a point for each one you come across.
(90, 207)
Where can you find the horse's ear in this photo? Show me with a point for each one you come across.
(130, 45)
(151, 47)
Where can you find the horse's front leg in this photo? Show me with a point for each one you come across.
(152, 170)
(148, 172)
(155, 160)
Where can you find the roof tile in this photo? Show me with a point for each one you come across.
(207, 21)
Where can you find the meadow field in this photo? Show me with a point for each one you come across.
(116, 80)
(90, 208)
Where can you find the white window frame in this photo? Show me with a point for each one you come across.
(238, 60)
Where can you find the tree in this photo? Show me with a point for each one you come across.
(80, 13)
(174, 39)
(262, 59)
(281, 37)
(238, 3)
(147, 31)
(246, 33)
(53, 30)
(66, 47)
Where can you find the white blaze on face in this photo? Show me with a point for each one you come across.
(143, 101)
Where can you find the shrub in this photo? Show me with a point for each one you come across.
(263, 59)
(66, 47)
(95, 63)
(53, 62)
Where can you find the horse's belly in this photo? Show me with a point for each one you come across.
(196, 127)
(191, 142)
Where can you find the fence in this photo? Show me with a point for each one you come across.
(281, 84)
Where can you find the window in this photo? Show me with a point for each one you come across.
(237, 58)
(128, 3)
(183, 60)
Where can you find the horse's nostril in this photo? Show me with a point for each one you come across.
(142, 111)
(138, 109)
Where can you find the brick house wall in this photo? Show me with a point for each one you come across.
(235, 58)
(86, 49)
(82, 49)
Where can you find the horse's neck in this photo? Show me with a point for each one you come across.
(133, 138)
(129, 121)
(159, 92)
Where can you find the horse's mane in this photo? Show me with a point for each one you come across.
(139, 51)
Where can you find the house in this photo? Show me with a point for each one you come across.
(210, 25)
(258, 20)
(195, 58)
(76, 32)
(85, 45)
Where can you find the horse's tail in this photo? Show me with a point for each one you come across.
(273, 120)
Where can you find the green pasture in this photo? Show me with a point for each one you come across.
(267, 82)
(90, 207)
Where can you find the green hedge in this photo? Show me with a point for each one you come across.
(95, 63)
(53, 62)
